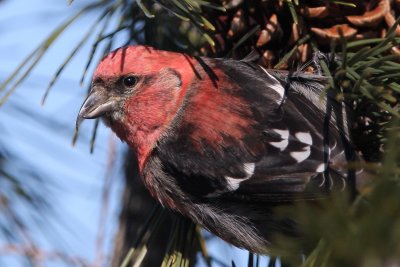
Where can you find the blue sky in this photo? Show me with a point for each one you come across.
(74, 177)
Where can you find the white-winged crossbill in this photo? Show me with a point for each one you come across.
(222, 141)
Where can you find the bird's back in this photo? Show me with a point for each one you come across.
(248, 140)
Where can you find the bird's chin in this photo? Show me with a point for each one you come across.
(111, 118)
(107, 120)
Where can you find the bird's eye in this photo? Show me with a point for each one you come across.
(130, 81)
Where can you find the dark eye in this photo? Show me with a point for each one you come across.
(130, 81)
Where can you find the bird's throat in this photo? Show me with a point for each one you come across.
(147, 116)
(140, 139)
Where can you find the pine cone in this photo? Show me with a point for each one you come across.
(277, 32)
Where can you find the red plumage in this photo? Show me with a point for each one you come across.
(151, 108)
(223, 141)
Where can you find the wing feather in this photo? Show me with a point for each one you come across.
(289, 144)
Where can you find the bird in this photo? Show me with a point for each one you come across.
(224, 142)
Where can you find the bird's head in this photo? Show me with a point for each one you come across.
(138, 90)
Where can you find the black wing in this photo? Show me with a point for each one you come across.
(294, 145)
